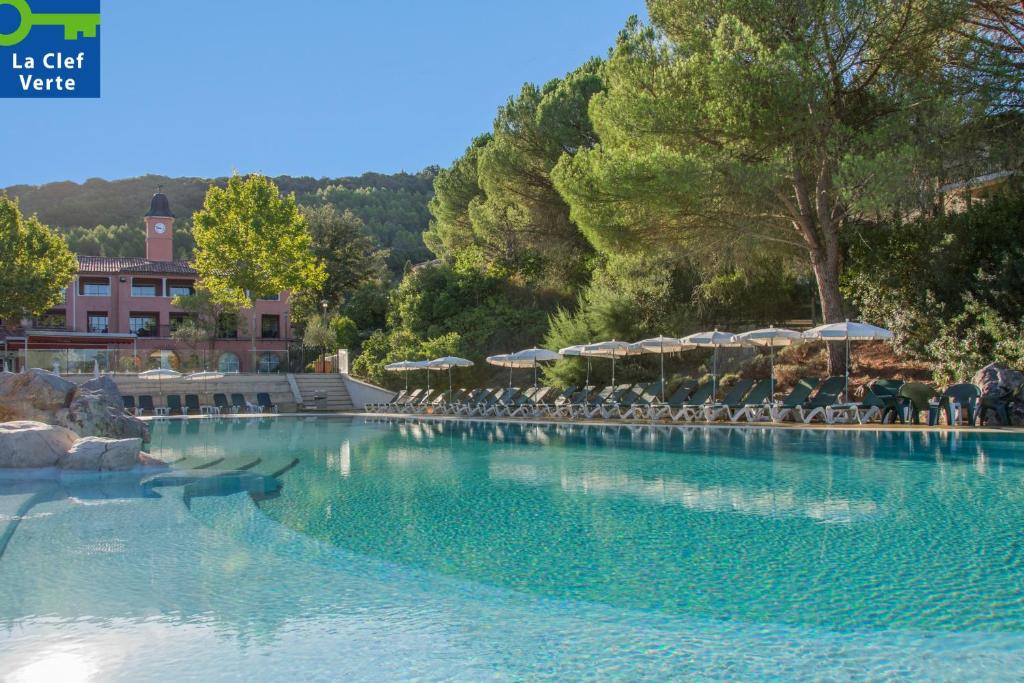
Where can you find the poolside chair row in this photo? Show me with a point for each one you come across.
(191, 406)
(747, 400)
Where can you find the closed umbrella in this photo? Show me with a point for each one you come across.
(715, 340)
(771, 337)
(447, 363)
(660, 346)
(505, 360)
(848, 331)
(577, 350)
(609, 349)
(404, 366)
(534, 356)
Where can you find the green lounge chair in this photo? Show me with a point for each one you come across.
(640, 406)
(759, 396)
(880, 400)
(531, 405)
(617, 408)
(564, 406)
(798, 396)
(829, 394)
(660, 409)
(601, 404)
(192, 404)
(174, 406)
(733, 399)
(691, 408)
(146, 403)
(999, 406)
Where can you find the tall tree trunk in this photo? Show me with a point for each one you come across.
(826, 275)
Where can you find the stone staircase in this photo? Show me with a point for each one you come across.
(330, 386)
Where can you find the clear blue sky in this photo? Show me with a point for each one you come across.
(300, 87)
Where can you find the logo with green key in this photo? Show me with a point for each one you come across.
(49, 48)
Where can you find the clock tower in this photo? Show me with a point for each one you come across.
(159, 229)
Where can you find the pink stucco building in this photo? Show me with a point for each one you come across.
(118, 313)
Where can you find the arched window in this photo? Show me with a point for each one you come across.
(228, 362)
(269, 362)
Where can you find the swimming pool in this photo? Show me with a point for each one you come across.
(466, 551)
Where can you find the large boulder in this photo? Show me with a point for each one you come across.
(33, 395)
(999, 383)
(33, 444)
(101, 454)
(93, 409)
(96, 409)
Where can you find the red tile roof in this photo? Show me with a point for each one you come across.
(132, 264)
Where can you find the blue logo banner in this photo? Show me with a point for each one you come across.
(49, 48)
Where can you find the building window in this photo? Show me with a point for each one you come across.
(98, 322)
(270, 327)
(52, 320)
(143, 324)
(228, 362)
(178, 319)
(145, 287)
(180, 289)
(94, 287)
(227, 326)
(272, 297)
(269, 362)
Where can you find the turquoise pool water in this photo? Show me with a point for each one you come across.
(473, 551)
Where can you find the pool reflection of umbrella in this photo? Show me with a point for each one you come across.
(660, 346)
(505, 360)
(577, 350)
(447, 363)
(406, 366)
(159, 374)
(848, 332)
(534, 356)
(715, 340)
(771, 337)
(609, 349)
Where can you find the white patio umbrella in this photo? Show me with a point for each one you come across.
(609, 349)
(716, 340)
(204, 376)
(407, 366)
(771, 337)
(577, 350)
(848, 331)
(447, 363)
(534, 356)
(660, 346)
(159, 374)
(505, 360)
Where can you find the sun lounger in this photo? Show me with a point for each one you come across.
(674, 402)
(880, 400)
(470, 398)
(129, 404)
(693, 407)
(564, 405)
(264, 403)
(602, 401)
(505, 408)
(491, 408)
(640, 405)
(220, 402)
(779, 411)
(174, 405)
(733, 400)
(379, 406)
(146, 404)
(531, 407)
(241, 404)
(756, 405)
(413, 404)
(828, 395)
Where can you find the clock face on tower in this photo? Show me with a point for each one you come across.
(160, 228)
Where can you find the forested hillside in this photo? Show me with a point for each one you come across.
(104, 217)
